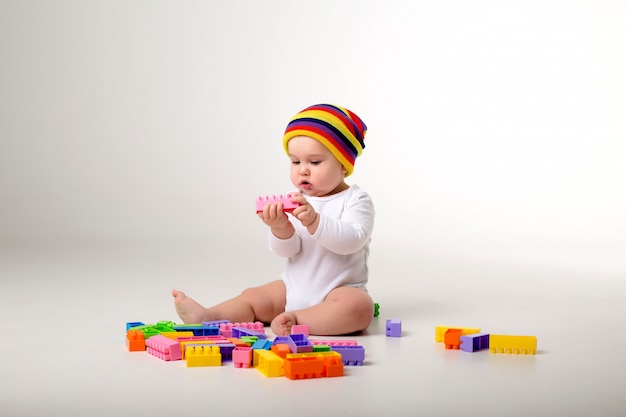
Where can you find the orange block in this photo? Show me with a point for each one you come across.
(281, 349)
(135, 341)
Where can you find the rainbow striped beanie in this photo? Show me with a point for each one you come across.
(337, 128)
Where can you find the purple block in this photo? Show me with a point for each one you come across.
(394, 328)
(475, 342)
(351, 355)
(299, 343)
(238, 332)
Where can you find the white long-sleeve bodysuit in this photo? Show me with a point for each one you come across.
(335, 256)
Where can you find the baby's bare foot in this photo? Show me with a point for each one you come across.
(281, 325)
(188, 309)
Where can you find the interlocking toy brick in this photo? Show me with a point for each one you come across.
(163, 348)
(475, 342)
(135, 341)
(304, 367)
(198, 329)
(268, 363)
(350, 355)
(334, 342)
(203, 356)
(262, 344)
(394, 328)
(300, 329)
(440, 331)
(452, 339)
(242, 357)
(131, 324)
(288, 206)
(299, 343)
(299, 368)
(524, 345)
(281, 349)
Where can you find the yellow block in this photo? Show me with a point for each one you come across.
(174, 335)
(268, 363)
(440, 331)
(524, 345)
(203, 356)
(184, 343)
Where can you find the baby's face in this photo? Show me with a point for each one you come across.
(314, 169)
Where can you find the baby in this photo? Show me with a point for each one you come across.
(325, 239)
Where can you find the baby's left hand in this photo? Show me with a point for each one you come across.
(305, 212)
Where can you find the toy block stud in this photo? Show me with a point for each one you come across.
(285, 199)
(394, 328)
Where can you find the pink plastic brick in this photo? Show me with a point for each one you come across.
(163, 348)
(288, 206)
(300, 329)
(334, 342)
(242, 357)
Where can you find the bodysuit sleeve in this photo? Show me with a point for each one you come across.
(352, 231)
(285, 247)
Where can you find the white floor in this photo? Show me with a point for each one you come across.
(64, 313)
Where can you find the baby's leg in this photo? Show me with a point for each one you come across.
(261, 303)
(345, 310)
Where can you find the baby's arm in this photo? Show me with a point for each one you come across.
(349, 233)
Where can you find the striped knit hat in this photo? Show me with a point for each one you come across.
(337, 128)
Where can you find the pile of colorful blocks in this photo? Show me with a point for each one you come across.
(245, 345)
(472, 340)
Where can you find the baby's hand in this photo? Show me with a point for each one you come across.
(305, 212)
(274, 216)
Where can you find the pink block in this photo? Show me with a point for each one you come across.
(288, 206)
(164, 348)
(300, 329)
(334, 342)
(242, 356)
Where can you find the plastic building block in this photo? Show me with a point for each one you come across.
(268, 363)
(281, 349)
(203, 356)
(394, 328)
(376, 309)
(262, 344)
(334, 342)
(163, 348)
(215, 322)
(135, 341)
(307, 365)
(440, 331)
(524, 345)
(176, 335)
(475, 342)
(350, 355)
(299, 343)
(198, 329)
(300, 329)
(239, 332)
(132, 324)
(304, 367)
(452, 338)
(242, 357)
(288, 206)
(321, 348)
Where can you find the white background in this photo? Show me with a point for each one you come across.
(135, 136)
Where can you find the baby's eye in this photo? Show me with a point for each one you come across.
(315, 162)
(295, 162)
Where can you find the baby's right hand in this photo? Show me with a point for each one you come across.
(274, 216)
